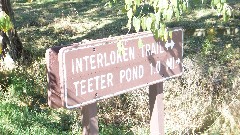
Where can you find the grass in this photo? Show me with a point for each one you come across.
(205, 100)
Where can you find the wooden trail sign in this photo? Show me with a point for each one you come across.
(83, 73)
(97, 69)
(55, 96)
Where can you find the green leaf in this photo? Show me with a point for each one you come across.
(161, 34)
(140, 43)
(136, 23)
(163, 4)
(148, 23)
(138, 2)
(225, 16)
(134, 7)
(155, 34)
(177, 14)
(129, 24)
(5, 22)
(229, 12)
(143, 23)
(128, 4)
(154, 3)
(162, 31)
(184, 6)
(165, 14)
(130, 13)
(1, 49)
(216, 2)
(110, 4)
(169, 14)
(165, 36)
(156, 25)
(158, 16)
(223, 1)
(124, 10)
(153, 16)
(170, 34)
(175, 3)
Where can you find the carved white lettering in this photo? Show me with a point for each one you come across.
(131, 74)
(82, 86)
(99, 60)
(105, 59)
(141, 71)
(110, 79)
(103, 82)
(119, 58)
(86, 58)
(79, 65)
(170, 63)
(128, 74)
(97, 80)
(73, 70)
(135, 74)
(92, 62)
(143, 53)
(148, 51)
(151, 49)
(113, 57)
(131, 53)
(154, 50)
(93, 84)
(90, 84)
(125, 58)
(76, 87)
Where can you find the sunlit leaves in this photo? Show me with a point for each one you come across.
(170, 34)
(158, 12)
(129, 14)
(148, 23)
(152, 15)
(143, 23)
(5, 25)
(222, 8)
(215, 2)
(5, 22)
(169, 14)
(128, 4)
(140, 43)
(1, 49)
(136, 23)
(175, 3)
(138, 2)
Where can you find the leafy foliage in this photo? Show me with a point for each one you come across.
(5, 22)
(152, 15)
(5, 25)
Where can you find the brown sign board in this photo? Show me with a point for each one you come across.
(81, 74)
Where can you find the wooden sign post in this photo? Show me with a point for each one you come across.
(79, 75)
(156, 109)
(90, 120)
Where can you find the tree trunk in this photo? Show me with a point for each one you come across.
(10, 41)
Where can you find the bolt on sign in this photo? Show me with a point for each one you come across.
(83, 73)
